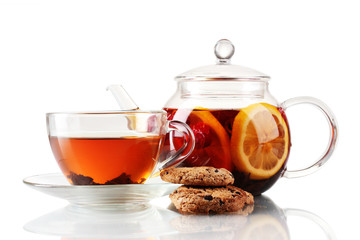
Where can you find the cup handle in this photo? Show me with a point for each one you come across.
(293, 212)
(182, 153)
(332, 139)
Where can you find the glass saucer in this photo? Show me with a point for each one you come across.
(124, 197)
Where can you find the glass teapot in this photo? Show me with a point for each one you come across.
(237, 123)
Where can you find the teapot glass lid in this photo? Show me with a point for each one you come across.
(223, 69)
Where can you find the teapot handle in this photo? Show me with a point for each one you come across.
(332, 139)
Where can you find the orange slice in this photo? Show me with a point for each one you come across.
(217, 153)
(260, 140)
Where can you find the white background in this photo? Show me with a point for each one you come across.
(61, 55)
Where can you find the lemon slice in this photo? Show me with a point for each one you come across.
(260, 141)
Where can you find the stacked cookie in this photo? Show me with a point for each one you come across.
(206, 190)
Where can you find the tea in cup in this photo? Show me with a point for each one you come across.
(120, 147)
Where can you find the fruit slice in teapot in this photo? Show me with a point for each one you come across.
(260, 140)
(212, 142)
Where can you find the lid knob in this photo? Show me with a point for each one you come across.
(224, 50)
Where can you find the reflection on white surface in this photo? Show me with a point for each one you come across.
(73, 222)
(267, 221)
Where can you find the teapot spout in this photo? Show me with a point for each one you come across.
(122, 97)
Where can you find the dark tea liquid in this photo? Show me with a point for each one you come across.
(106, 160)
(213, 137)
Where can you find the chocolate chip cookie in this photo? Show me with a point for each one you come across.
(210, 200)
(198, 176)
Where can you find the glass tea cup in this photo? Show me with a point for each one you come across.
(121, 147)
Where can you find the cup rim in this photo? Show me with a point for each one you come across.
(107, 112)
